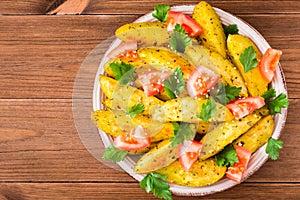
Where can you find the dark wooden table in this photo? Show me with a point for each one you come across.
(41, 154)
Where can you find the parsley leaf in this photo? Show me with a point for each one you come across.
(114, 154)
(134, 110)
(218, 93)
(248, 59)
(269, 94)
(208, 110)
(232, 92)
(231, 29)
(179, 39)
(174, 85)
(181, 132)
(154, 182)
(277, 103)
(272, 148)
(161, 12)
(122, 72)
(227, 157)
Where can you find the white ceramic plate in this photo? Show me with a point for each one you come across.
(257, 159)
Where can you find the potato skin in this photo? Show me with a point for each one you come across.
(186, 109)
(116, 123)
(213, 36)
(200, 174)
(126, 96)
(223, 134)
(146, 33)
(258, 135)
(161, 156)
(200, 55)
(236, 45)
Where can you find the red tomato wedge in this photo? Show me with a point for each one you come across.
(189, 153)
(201, 81)
(137, 141)
(243, 107)
(191, 27)
(236, 172)
(124, 48)
(152, 81)
(268, 63)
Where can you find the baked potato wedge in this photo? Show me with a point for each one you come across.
(146, 33)
(200, 55)
(161, 156)
(123, 96)
(116, 123)
(201, 173)
(186, 110)
(225, 133)
(236, 45)
(258, 135)
(212, 36)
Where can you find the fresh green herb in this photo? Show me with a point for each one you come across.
(208, 110)
(122, 72)
(248, 59)
(231, 29)
(114, 154)
(269, 94)
(174, 85)
(275, 104)
(161, 12)
(179, 39)
(218, 93)
(155, 183)
(232, 92)
(181, 132)
(227, 157)
(134, 110)
(272, 148)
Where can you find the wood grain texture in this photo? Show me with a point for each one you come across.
(129, 191)
(40, 60)
(232, 6)
(55, 153)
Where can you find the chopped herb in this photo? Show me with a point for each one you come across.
(122, 72)
(181, 132)
(227, 157)
(248, 59)
(174, 85)
(179, 39)
(225, 94)
(272, 148)
(155, 183)
(275, 104)
(161, 12)
(208, 110)
(232, 92)
(231, 29)
(114, 154)
(134, 110)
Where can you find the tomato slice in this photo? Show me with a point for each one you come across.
(201, 81)
(236, 172)
(191, 27)
(152, 81)
(189, 153)
(268, 63)
(123, 49)
(137, 141)
(243, 107)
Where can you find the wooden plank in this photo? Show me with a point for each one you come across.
(44, 146)
(232, 6)
(50, 49)
(132, 191)
(24, 6)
